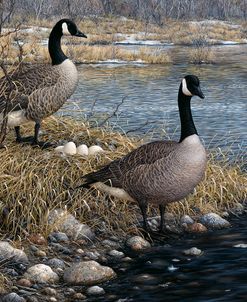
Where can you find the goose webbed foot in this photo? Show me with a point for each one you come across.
(25, 140)
(42, 145)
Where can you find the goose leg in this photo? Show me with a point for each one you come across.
(19, 138)
(162, 212)
(143, 208)
(36, 141)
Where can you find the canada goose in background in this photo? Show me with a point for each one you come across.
(159, 172)
(42, 89)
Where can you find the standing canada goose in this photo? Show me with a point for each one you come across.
(41, 90)
(162, 171)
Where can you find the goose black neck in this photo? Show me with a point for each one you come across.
(187, 125)
(54, 45)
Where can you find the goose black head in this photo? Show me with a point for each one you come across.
(191, 86)
(68, 27)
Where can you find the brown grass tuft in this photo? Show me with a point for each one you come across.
(32, 183)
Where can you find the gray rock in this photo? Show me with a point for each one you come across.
(49, 291)
(56, 263)
(110, 243)
(95, 291)
(116, 254)
(79, 296)
(214, 221)
(13, 297)
(88, 273)
(238, 209)
(186, 219)
(60, 237)
(41, 273)
(194, 251)
(60, 248)
(92, 255)
(67, 223)
(137, 243)
(7, 251)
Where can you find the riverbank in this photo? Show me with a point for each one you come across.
(109, 38)
(42, 216)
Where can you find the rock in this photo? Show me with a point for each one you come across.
(137, 243)
(80, 251)
(60, 237)
(49, 291)
(110, 243)
(41, 273)
(186, 219)
(79, 296)
(214, 221)
(68, 224)
(92, 255)
(241, 245)
(88, 273)
(53, 299)
(32, 299)
(69, 148)
(196, 227)
(40, 253)
(11, 253)
(238, 209)
(60, 248)
(37, 239)
(24, 282)
(116, 254)
(56, 263)
(95, 291)
(194, 251)
(13, 297)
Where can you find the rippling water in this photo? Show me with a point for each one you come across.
(219, 274)
(151, 96)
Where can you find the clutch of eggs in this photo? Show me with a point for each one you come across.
(71, 149)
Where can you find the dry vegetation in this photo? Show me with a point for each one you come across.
(32, 183)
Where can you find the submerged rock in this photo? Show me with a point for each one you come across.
(95, 291)
(214, 221)
(194, 251)
(41, 273)
(88, 273)
(137, 243)
(67, 223)
(8, 252)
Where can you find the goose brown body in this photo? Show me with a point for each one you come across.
(160, 172)
(40, 90)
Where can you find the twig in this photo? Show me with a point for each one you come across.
(114, 112)
(3, 130)
(140, 127)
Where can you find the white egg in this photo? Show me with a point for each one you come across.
(82, 150)
(59, 149)
(94, 150)
(69, 148)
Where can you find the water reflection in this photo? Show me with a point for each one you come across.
(151, 93)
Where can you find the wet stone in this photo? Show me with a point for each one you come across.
(7, 251)
(79, 296)
(95, 291)
(56, 263)
(41, 273)
(137, 243)
(60, 237)
(214, 221)
(49, 291)
(116, 254)
(13, 297)
(194, 251)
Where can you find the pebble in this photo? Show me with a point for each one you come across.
(214, 221)
(41, 273)
(92, 255)
(116, 254)
(49, 291)
(60, 248)
(37, 239)
(60, 237)
(13, 297)
(110, 243)
(238, 209)
(196, 227)
(67, 223)
(186, 219)
(40, 253)
(137, 243)
(56, 263)
(53, 299)
(88, 273)
(7, 251)
(79, 296)
(24, 282)
(32, 299)
(95, 291)
(194, 251)
(80, 251)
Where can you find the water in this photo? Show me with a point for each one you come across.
(219, 274)
(150, 93)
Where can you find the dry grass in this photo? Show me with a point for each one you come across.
(32, 184)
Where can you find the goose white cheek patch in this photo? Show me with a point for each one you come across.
(185, 89)
(65, 29)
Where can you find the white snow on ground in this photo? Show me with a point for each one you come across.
(134, 39)
(229, 42)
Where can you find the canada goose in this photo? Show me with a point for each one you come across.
(159, 172)
(41, 90)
